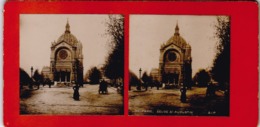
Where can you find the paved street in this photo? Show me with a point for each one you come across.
(167, 102)
(60, 101)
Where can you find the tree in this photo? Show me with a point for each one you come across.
(79, 74)
(146, 78)
(221, 64)
(25, 79)
(133, 79)
(94, 75)
(114, 65)
(37, 76)
(202, 77)
(86, 80)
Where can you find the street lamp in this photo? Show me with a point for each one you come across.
(139, 84)
(31, 71)
(140, 71)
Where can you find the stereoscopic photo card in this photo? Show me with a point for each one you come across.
(122, 63)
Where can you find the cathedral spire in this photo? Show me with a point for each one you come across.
(67, 27)
(177, 29)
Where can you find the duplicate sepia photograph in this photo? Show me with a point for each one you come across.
(179, 65)
(71, 64)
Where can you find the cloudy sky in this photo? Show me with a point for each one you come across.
(148, 32)
(39, 30)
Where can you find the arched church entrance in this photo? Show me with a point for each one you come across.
(171, 78)
(62, 76)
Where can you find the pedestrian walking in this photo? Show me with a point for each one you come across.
(76, 92)
(183, 94)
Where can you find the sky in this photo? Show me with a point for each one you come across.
(37, 31)
(148, 32)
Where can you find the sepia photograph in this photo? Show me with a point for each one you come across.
(179, 65)
(71, 64)
(130, 64)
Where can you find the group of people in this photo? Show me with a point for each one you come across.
(147, 84)
(210, 92)
(102, 89)
(103, 85)
(38, 83)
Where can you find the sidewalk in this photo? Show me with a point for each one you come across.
(60, 101)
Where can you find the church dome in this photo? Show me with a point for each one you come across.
(177, 39)
(67, 36)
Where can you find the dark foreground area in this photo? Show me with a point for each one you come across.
(167, 102)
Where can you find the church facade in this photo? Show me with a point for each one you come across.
(175, 61)
(66, 60)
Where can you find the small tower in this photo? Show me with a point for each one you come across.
(177, 30)
(67, 27)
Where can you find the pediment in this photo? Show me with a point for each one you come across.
(62, 43)
(170, 45)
